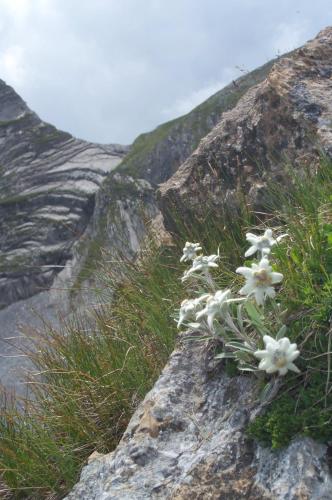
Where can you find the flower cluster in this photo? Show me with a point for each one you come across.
(238, 319)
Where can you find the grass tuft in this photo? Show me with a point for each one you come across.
(94, 370)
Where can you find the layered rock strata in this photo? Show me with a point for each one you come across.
(48, 182)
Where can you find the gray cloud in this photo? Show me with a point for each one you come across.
(107, 70)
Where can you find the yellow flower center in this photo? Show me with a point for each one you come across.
(279, 359)
(262, 278)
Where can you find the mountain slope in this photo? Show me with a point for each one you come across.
(48, 182)
(284, 119)
(153, 158)
(156, 155)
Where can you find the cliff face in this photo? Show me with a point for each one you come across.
(287, 117)
(187, 439)
(48, 182)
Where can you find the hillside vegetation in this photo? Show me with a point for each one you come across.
(92, 373)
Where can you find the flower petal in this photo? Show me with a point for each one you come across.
(200, 314)
(259, 296)
(265, 364)
(270, 343)
(247, 289)
(260, 354)
(276, 277)
(270, 292)
(271, 369)
(245, 271)
(210, 321)
(265, 264)
(253, 249)
(252, 238)
(294, 368)
(292, 355)
(284, 343)
(283, 370)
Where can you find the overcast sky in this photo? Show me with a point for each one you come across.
(108, 70)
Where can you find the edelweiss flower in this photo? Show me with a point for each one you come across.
(189, 308)
(262, 243)
(190, 251)
(216, 305)
(259, 280)
(278, 356)
(202, 263)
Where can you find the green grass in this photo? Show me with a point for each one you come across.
(93, 373)
(96, 368)
(304, 404)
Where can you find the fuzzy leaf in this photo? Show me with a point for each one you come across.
(239, 346)
(281, 332)
(253, 313)
(266, 391)
(247, 368)
(239, 316)
(224, 355)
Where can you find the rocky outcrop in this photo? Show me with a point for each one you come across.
(156, 155)
(48, 182)
(187, 440)
(127, 201)
(285, 118)
(124, 210)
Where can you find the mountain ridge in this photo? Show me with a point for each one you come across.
(48, 181)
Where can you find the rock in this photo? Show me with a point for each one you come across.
(287, 117)
(124, 210)
(188, 437)
(48, 182)
(187, 440)
(156, 155)
(17, 320)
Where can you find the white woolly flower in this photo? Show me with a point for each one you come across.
(189, 308)
(190, 251)
(278, 356)
(202, 263)
(262, 243)
(259, 280)
(216, 305)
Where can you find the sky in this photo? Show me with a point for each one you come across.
(108, 70)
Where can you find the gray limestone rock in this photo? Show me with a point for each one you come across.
(187, 440)
(48, 182)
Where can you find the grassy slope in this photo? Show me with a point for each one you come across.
(95, 373)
